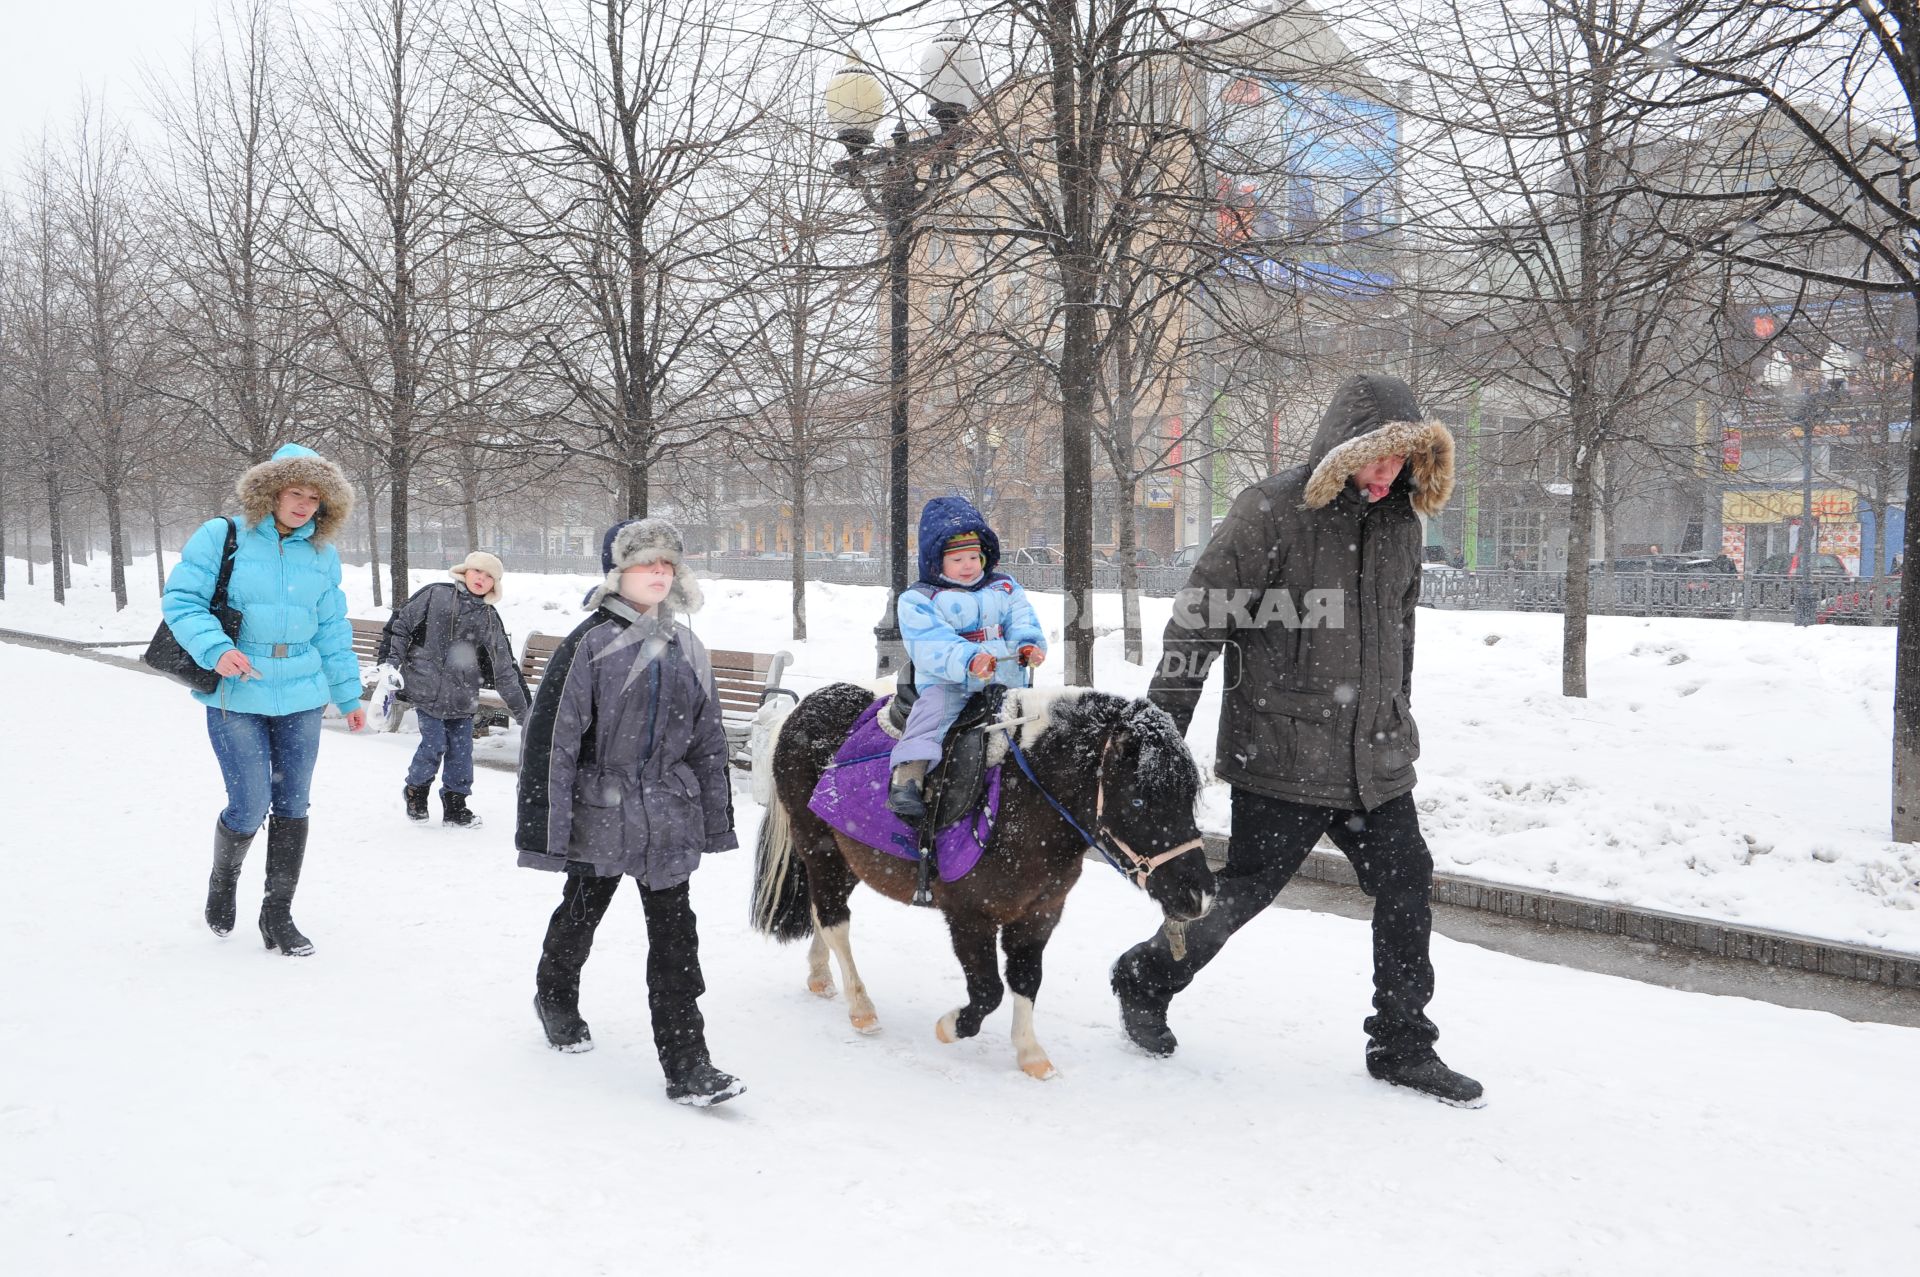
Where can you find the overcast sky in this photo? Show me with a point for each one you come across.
(52, 49)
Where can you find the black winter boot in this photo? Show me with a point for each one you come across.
(559, 1013)
(417, 801)
(229, 853)
(286, 851)
(692, 1079)
(454, 811)
(1422, 1071)
(1142, 1015)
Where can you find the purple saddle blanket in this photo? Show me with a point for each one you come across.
(851, 796)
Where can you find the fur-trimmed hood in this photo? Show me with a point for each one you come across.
(1371, 417)
(295, 464)
(636, 541)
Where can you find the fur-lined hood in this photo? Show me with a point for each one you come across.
(294, 464)
(1372, 417)
(638, 541)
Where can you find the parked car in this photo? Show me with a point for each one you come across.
(1865, 603)
(1142, 557)
(1789, 565)
(1028, 556)
(853, 556)
(1186, 556)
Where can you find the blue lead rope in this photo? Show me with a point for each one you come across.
(1026, 769)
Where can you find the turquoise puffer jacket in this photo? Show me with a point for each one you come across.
(289, 592)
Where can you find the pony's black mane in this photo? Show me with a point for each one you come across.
(1163, 773)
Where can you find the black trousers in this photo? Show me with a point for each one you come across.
(1270, 841)
(673, 958)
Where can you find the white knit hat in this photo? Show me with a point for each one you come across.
(481, 561)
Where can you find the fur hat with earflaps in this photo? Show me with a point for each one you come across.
(292, 466)
(480, 561)
(637, 541)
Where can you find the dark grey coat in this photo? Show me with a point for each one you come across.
(464, 638)
(1317, 707)
(623, 764)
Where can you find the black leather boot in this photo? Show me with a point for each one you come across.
(286, 851)
(229, 853)
(454, 811)
(417, 801)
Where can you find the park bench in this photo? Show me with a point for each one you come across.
(743, 681)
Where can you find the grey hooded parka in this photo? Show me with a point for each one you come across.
(623, 766)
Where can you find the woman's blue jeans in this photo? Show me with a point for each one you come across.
(267, 761)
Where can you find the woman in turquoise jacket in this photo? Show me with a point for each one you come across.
(294, 657)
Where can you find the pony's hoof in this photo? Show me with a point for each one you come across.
(868, 1024)
(944, 1027)
(821, 988)
(1039, 1070)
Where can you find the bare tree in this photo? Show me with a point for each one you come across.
(38, 367)
(1538, 157)
(379, 192)
(618, 118)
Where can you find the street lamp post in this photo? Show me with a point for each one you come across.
(1831, 385)
(898, 180)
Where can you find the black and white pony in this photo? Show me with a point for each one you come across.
(1086, 768)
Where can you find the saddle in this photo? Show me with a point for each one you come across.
(956, 786)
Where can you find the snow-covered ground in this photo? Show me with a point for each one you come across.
(171, 1102)
(1727, 770)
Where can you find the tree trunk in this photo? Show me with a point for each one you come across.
(3, 537)
(1906, 658)
(373, 528)
(1573, 651)
(399, 468)
(56, 546)
(1125, 492)
(116, 548)
(1077, 373)
(159, 557)
(797, 483)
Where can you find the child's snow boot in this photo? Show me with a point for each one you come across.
(454, 811)
(904, 798)
(417, 801)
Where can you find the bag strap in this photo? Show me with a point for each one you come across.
(219, 599)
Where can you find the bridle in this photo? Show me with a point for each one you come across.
(1112, 848)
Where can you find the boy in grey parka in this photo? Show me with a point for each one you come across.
(448, 642)
(623, 772)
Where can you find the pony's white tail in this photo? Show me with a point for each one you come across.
(781, 906)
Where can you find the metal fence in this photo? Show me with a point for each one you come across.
(1841, 601)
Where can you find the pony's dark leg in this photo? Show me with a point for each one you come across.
(1024, 941)
(831, 883)
(973, 937)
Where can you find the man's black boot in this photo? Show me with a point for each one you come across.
(1142, 1014)
(1422, 1071)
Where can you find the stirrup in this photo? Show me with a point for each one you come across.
(923, 879)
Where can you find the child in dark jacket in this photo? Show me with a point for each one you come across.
(965, 624)
(623, 771)
(447, 642)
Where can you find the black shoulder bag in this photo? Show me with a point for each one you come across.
(165, 653)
